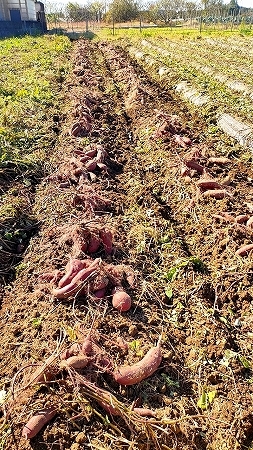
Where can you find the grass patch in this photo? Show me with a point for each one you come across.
(32, 70)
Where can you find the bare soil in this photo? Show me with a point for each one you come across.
(191, 289)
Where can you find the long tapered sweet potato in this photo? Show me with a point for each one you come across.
(219, 160)
(208, 184)
(73, 267)
(218, 194)
(37, 422)
(73, 287)
(244, 250)
(129, 375)
(249, 223)
(194, 165)
(242, 218)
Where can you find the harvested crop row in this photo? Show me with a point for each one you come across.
(199, 237)
(178, 293)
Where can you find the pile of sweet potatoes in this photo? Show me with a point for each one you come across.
(84, 166)
(93, 278)
(87, 355)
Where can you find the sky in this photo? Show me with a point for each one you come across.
(245, 3)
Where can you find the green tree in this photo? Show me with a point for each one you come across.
(233, 8)
(123, 10)
(76, 12)
(97, 10)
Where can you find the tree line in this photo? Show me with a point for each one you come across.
(164, 12)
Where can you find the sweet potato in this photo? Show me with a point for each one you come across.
(129, 375)
(242, 218)
(75, 362)
(121, 300)
(182, 140)
(102, 166)
(99, 294)
(106, 237)
(73, 350)
(144, 412)
(244, 250)
(94, 244)
(218, 194)
(73, 267)
(84, 159)
(194, 165)
(90, 151)
(37, 422)
(91, 165)
(225, 217)
(73, 287)
(249, 223)
(208, 184)
(220, 160)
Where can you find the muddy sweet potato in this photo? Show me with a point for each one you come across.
(121, 300)
(106, 238)
(244, 250)
(75, 362)
(37, 422)
(194, 165)
(129, 375)
(219, 160)
(249, 223)
(91, 165)
(208, 184)
(242, 218)
(218, 194)
(94, 244)
(73, 350)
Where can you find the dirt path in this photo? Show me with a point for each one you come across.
(190, 289)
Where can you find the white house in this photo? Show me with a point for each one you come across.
(20, 10)
(21, 16)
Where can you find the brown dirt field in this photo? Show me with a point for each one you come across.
(191, 290)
